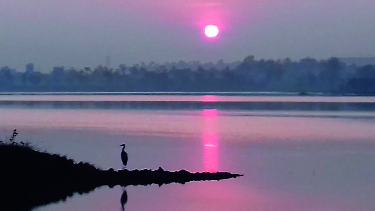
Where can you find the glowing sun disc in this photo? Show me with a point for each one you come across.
(211, 31)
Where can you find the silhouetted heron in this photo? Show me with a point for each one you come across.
(124, 156)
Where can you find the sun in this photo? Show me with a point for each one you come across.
(211, 31)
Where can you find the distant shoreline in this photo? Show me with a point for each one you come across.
(192, 93)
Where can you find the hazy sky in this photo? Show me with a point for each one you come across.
(83, 32)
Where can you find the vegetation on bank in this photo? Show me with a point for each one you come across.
(305, 75)
(30, 178)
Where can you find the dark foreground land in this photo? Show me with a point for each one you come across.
(30, 178)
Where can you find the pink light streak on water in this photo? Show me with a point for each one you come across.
(210, 140)
(209, 99)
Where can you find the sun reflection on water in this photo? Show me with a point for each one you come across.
(210, 140)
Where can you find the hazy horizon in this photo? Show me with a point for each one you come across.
(83, 32)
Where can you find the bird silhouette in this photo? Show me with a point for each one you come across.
(13, 135)
(124, 156)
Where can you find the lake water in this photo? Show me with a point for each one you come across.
(296, 153)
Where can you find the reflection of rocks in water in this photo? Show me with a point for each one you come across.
(124, 198)
(30, 178)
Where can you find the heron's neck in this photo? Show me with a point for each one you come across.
(123, 148)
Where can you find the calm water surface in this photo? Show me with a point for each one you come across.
(300, 158)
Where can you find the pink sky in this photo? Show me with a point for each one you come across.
(83, 32)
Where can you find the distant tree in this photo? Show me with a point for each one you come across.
(331, 73)
(305, 75)
(367, 71)
(35, 78)
(58, 76)
(72, 76)
(29, 68)
(122, 69)
(364, 81)
(6, 76)
(87, 69)
(247, 65)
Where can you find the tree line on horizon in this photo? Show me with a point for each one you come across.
(306, 75)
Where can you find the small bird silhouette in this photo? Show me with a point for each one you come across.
(124, 156)
(13, 135)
